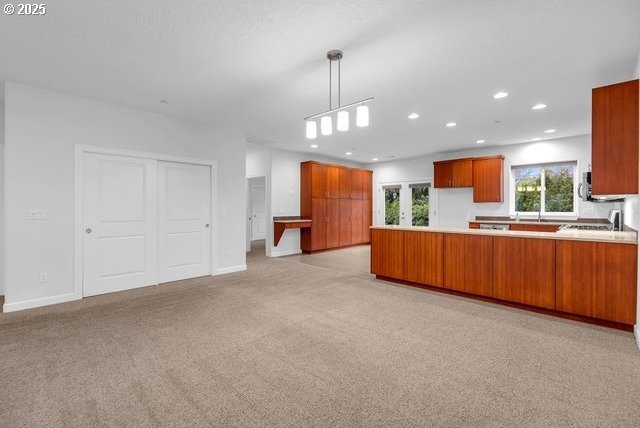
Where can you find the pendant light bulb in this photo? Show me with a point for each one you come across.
(312, 129)
(343, 121)
(326, 126)
(362, 116)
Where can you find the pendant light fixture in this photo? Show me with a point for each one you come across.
(342, 119)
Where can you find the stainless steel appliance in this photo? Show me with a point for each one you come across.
(584, 191)
(616, 219)
(492, 226)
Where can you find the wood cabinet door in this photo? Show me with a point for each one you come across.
(357, 221)
(357, 183)
(443, 175)
(318, 224)
(462, 173)
(318, 181)
(468, 263)
(524, 271)
(367, 222)
(488, 180)
(345, 183)
(333, 223)
(614, 139)
(367, 185)
(345, 222)
(423, 255)
(597, 280)
(333, 182)
(387, 253)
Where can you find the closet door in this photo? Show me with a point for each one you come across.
(184, 200)
(120, 245)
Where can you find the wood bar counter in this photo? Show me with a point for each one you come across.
(590, 277)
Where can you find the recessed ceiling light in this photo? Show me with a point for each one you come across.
(413, 116)
(500, 94)
(348, 153)
(451, 124)
(374, 159)
(164, 102)
(314, 146)
(480, 141)
(536, 139)
(539, 106)
(549, 131)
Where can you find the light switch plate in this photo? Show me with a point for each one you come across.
(38, 215)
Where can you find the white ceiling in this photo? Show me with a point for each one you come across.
(260, 65)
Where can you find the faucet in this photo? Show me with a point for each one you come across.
(539, 213)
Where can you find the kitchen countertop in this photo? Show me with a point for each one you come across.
(568, 235)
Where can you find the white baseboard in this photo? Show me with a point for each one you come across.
(636, 332)
(285, 252)
(229, 269)
(36, 303)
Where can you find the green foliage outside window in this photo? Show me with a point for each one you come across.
(420, 206)
(557, 188)
(392, 206)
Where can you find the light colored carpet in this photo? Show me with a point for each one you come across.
(309, 341)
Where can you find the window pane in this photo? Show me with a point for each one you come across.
(528, 181)
(420, 205)
(392, 205)
(559, 188)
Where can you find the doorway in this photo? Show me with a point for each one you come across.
(143, 221)
(256, 214)
(405, 203)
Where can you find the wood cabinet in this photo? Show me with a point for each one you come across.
(615, 139)
(423, 255)
(488, 179)
(524, 271)
(468, 264)
(338, 201)
(597, 280)
(534, 227)
(453, 173)
(387, 253)
(581, 278)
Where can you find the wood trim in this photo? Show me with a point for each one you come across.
(280, 227)
(536, 309)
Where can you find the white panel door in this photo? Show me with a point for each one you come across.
(120, 243)
(258, 213)
(184, 199)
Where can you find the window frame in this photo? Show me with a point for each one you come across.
(543, 212)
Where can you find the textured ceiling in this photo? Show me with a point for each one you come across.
(260, 65)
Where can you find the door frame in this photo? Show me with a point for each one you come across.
(267, 216)
(78, 237)
(405, 196)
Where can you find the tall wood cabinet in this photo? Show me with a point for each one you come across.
(615, 139)
(338, 200)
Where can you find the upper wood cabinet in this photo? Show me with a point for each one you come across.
(485, 175)
(453, 173)
(615, 135)
(319, 182)
(488, 179)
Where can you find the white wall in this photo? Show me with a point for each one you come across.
(283, 195)
(456, 207)
(258, 163)
(1, 198)
(42, 129)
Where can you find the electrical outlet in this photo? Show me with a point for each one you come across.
(44, 277)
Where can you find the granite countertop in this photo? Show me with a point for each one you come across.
(549, 222)
(569, 235)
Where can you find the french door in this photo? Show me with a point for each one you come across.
(144, 222)
(404, 203)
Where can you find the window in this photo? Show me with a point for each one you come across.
(419, 204)
(391, 205)
(546, 188)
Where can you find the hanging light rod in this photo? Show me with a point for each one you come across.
(366, 100)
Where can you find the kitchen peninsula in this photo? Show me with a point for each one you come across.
(589, 276)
